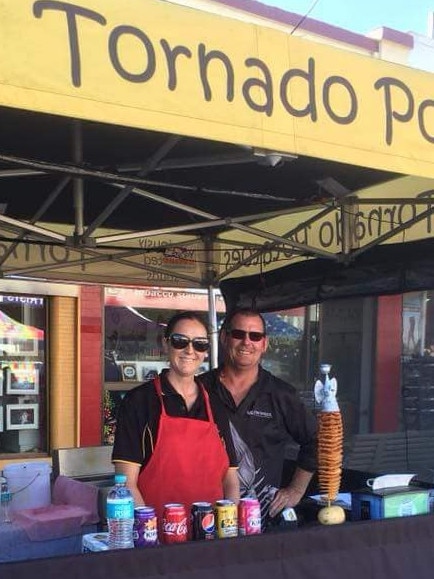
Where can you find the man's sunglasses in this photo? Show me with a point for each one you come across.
(241, 335)
(180, 341)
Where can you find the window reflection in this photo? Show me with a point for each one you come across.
(23, 417)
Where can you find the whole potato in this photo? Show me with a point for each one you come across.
(333, 515)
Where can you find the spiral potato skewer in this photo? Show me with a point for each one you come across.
(330, 453)
(330, 448)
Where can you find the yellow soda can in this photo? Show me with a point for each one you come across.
(226, 519)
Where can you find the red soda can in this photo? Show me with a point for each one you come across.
(249, 517)
(174, 528)
(145, 532)
(202, 521)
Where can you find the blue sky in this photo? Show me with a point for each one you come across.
(364, 15)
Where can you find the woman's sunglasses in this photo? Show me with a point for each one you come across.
(180, 341)
(241, 335)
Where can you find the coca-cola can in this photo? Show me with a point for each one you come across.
(145, 531)
(174, 527)
(249, 517)
(202, 521)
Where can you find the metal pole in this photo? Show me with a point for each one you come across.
(212, 310)
(212, 324)
(77, 145)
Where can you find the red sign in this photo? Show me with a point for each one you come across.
(162, 298)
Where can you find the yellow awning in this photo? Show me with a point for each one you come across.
(164, 67)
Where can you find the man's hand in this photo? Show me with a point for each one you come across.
(287, 497)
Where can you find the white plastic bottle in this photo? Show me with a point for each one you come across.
(120, 515)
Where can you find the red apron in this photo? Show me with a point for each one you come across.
(189, 461)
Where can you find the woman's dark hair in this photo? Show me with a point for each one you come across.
(183, 316)
(247, 312)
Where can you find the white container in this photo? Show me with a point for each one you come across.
(29, 483)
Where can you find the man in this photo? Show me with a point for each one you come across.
(265, 415)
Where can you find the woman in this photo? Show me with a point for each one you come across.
(166, 440)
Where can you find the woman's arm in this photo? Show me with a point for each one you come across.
(231, 485)
(133, 421)
(131, 471)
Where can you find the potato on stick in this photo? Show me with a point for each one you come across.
(330, 447)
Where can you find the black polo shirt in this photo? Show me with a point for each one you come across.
(139, 416)
(270, 417)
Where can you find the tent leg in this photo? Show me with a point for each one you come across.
(212, 324)
(78, 186)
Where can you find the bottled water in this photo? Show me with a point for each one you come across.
(120, 515)
(5, 499)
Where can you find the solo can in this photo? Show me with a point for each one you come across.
(145, 530)
(202, 521)
(174, 527)
(226, 519)
(249, 517)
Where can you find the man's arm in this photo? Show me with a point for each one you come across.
(291, 495)
(231, 485)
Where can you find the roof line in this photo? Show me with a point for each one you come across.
(316, 26)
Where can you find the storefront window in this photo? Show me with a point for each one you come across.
(286, 349)
(378, 348)
(133, 343)
(23, 426)
(134, 337)
(135, 321)
(417, 367)
(414, 327)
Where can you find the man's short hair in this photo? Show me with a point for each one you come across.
(247, 312)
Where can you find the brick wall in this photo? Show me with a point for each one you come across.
(387, 364)
(91, 363)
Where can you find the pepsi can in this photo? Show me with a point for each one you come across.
(202, 521)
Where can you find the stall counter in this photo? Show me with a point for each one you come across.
(398, 548)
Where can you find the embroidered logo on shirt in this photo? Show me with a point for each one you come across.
(259, 413)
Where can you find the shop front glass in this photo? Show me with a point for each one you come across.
(381, 350)
(23, 413)
(417, 362)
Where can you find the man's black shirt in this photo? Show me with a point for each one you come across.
(270, 417)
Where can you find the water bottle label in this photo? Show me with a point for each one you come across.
(5, 496)
(120, 509)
